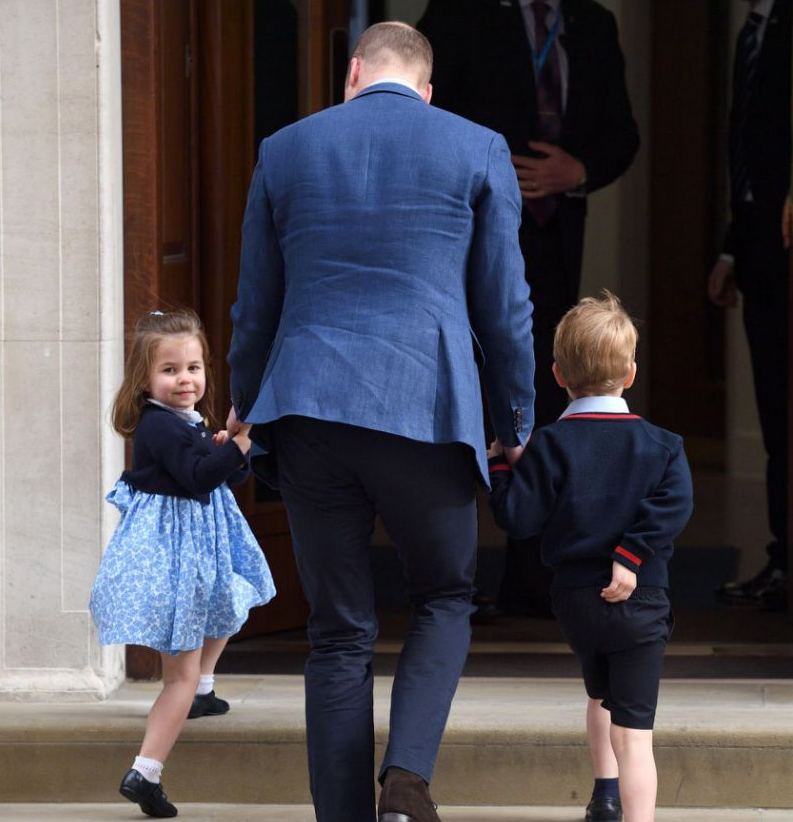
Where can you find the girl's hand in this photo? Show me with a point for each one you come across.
(221, 438)
(623, 583)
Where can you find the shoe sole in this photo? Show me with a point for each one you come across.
(394, 817)
(148, 809)
(207, 713)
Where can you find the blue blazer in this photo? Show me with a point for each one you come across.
(381, 275)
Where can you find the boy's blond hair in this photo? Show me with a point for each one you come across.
(595, 345)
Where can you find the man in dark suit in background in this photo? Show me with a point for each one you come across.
(550, 77)
(755, 261)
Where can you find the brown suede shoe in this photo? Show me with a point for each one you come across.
(405, 798)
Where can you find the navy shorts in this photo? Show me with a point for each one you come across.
(620, 647)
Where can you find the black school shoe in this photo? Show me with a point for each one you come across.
(604, 809)
(150, 796)
(207, 705)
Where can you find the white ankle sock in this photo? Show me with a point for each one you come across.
(206, 683)
(149, 769)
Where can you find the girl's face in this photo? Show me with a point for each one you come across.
(177, 377)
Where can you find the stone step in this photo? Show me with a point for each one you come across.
(195, 812)
(510, 741)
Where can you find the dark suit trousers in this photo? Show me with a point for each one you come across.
(554, 279)
(334, 479)
(762, 271)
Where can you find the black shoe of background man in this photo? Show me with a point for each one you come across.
(768, 585)
(604, 809)
(405, 797)
(534, 605)
(207, 705)
(487, 611)
(150, 796)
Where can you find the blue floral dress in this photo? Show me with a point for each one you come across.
(177, 570)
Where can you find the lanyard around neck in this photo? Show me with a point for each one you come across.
(540, 59)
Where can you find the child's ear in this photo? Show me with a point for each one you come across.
(560, 380)
(631, 376)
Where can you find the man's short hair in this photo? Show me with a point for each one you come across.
(394, 42)
(595, 345)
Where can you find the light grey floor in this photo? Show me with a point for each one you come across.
(303, 813)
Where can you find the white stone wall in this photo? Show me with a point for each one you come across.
(61, 336)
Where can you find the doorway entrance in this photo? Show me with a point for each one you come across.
(205, 80)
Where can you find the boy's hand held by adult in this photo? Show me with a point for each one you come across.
(496, 449)
(623, 584)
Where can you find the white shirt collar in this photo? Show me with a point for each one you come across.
(398, 80)
(596, 405)
(553, 4)
(763, 7)
(193, 417)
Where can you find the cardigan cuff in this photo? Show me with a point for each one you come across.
(627, 558)
(498, 465)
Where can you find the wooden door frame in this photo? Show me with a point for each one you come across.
(222, 91)
(790, 407)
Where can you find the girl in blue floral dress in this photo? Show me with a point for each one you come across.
(182, 568)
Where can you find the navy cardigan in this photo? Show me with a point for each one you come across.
(598, 487)
(172, 457)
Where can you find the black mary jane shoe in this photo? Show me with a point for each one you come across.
(150, 796)
(604, 809)
(207, 705)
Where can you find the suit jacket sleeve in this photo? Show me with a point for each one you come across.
(498, 300)
(662, 516)
(260, 294)
(610, 155)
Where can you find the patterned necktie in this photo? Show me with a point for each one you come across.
(746, 54)
(548, 83)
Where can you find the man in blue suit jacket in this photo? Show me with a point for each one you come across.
(381, 277)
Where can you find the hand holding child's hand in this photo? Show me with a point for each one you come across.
(496, 449)
(241, 437)
(623, 584)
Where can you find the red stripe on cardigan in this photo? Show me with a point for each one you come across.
(628, 555)
(500, 466)
(602, 417)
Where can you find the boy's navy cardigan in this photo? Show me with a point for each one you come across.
(598, 487)
(172, 457)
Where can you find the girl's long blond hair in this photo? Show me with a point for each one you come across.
(148, 334)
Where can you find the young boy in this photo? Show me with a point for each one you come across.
(609, 492)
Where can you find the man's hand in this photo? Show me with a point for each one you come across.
(722, 289)
(558, 171)
(496, 449)
(233, 425)
(787, 222)
(623, 584)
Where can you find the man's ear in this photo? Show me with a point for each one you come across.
(353, 77)
(560, 380)
(426, 95)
